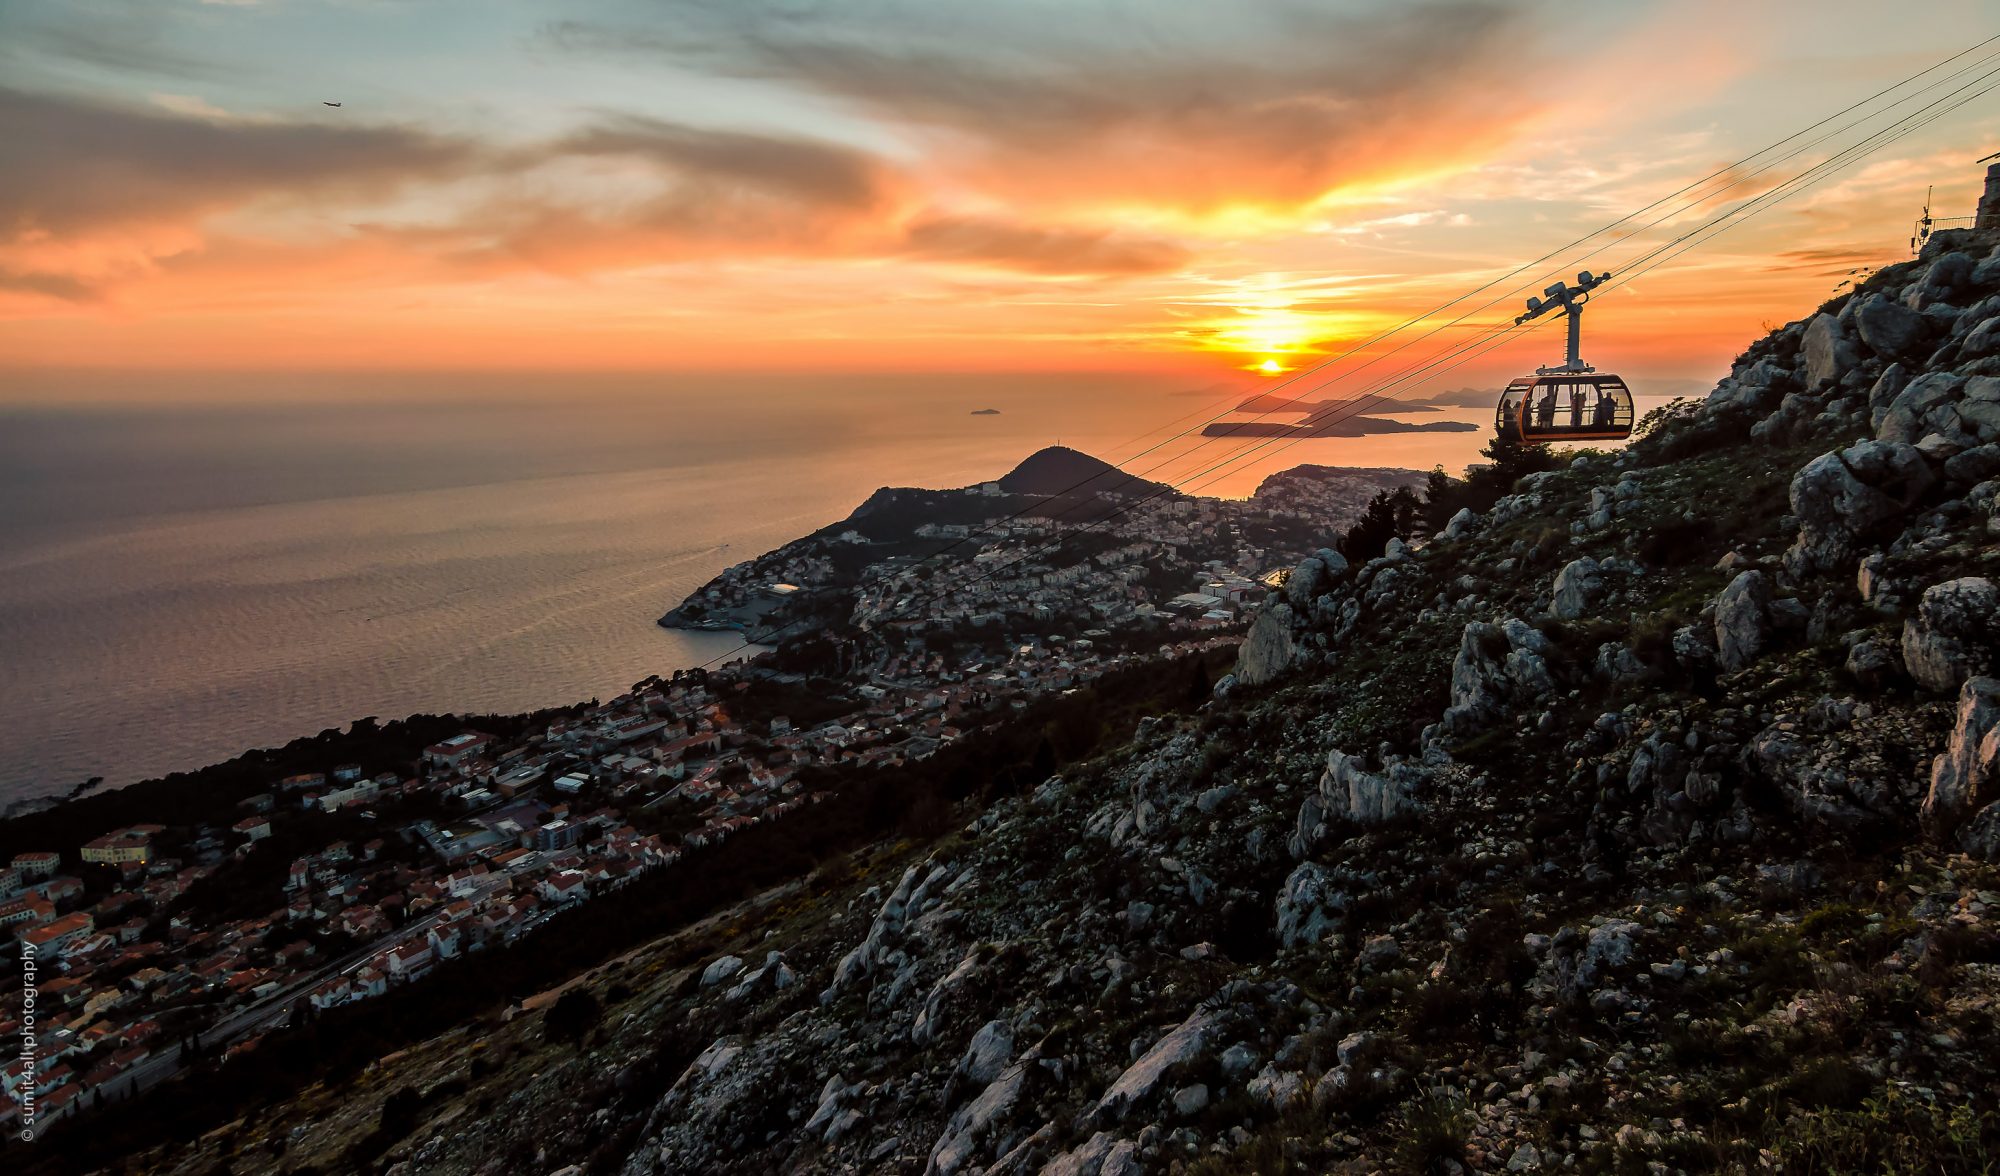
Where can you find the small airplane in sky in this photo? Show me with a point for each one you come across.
(323, 102)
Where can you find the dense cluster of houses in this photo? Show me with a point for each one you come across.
(1019, 573)
(486, 838)
(98, 969)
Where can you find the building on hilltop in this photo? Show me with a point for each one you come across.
(121, 846)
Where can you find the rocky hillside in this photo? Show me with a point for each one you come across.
(1646, 821)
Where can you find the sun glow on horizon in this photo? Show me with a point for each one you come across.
(1082, 216)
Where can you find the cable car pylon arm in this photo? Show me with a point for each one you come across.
(1567, 299)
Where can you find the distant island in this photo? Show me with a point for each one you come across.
(1359, 426)
(985, 412)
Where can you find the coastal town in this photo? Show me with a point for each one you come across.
(158, 943)
(1152, 562)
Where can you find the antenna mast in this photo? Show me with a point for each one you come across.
(1569, 300)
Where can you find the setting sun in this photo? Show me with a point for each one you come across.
(1270, 367)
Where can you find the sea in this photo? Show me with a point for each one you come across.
(184, 580)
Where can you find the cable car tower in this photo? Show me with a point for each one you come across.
(1569, 401)
(1570, 300)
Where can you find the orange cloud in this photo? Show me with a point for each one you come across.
(110, 200)
(1274, 107)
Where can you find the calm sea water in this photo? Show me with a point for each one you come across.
(179, 585)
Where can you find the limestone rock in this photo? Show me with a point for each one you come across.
(1883, 392)
(1190, 1101)
(1348, 789)
(1462, 524)
(1981, 835)
(1187, 1042)
(972, 1125)
(1576, 589)
(1268, 648)
(1874, 664)
(1966, 777)
(886, 931)
(1955, 633)
(1826, 349)
(1305, 583)
(1974, 465)
(1278, 1090)
(1908, 414)
(987, 1055)
(1497, 666)
(1307, 905)
(1889, 329)
(1844, 498)
(721, 970)
(1743, 620)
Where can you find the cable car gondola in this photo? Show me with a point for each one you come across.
(1570, 401)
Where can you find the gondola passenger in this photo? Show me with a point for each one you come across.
(1545, 410)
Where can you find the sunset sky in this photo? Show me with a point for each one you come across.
(1177, 186)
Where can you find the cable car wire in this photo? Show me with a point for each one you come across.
(1644, 263)
(1727, 170)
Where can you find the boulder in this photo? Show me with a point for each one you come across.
(1576, 589)
(971, 1126)
(1743, 620)
(834, 1117)
(1101, 1155)
(987, 1055)
(1874, 663)
(1889, 329)
(1883, 392)
(721, 970)
(1978, 409)
(1954, 634)
(1305, 583)
(1940, 282)
(1907, 416)
(1826, 350)
(943, 994)
(1823, 779)
(1497, 666)
(1268, 649)
(1966, 776)
(1190, 1101)
(1462, 524)
(1847, 497)
(1278, 1090)
(1694, 647)
(1307, 905)
(1608, 947)
(877, 948)
(1619, 666)
(1178, 1050)
(774, 976)
(1981, 835)
(1982, 340)
(1349, 789)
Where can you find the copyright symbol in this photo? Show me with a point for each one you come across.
(27, 1137)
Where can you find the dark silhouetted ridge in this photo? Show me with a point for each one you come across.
(1059, 469)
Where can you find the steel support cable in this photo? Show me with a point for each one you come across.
(1645, 262)
(1392, 331)
(1908, 124)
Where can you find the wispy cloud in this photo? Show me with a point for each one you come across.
(1199, 108)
